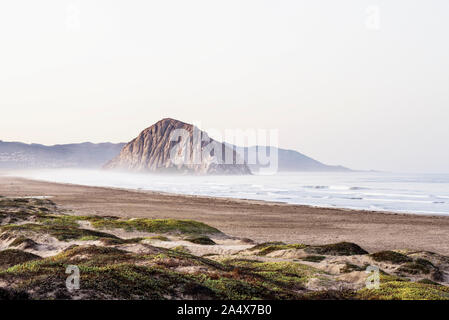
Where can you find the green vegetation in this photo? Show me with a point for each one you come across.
(21, 240)
(267, 244)
(118, 241)
(201, 240)
(417, 267)
(61, 220)
(154, 225)
(29, 203)
(160, 238)
(268, 247)
(67, 227)
(181, 249)
(337, 249)
(283, 278)
(115, 268)
(62, 233)
(40, 210)
(314, 258)
(108, 273)
(404, 290)
(428, 281)
(13, 217)
(390, 256)
(11, 257)
(349, 267)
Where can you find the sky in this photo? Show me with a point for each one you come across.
(364, 84)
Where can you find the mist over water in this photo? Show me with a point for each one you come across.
(405, 193)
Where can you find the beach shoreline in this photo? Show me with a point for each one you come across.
(255, 219)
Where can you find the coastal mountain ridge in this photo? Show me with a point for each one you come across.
(288, 160)
(17, 155)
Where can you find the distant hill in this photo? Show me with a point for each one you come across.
(151, 151)
(16, 155)
(288, 160)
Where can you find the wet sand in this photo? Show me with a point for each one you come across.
(257, 220)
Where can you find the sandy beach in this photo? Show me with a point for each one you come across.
(257, 220)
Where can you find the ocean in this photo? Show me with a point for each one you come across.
(392, 192)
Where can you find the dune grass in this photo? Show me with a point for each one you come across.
(404, 290)
(154, 225)
(337, 249)
(268, 247)
(62, 233)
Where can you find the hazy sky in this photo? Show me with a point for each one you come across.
(363, 84)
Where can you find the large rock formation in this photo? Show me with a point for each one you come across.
(174, 146)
